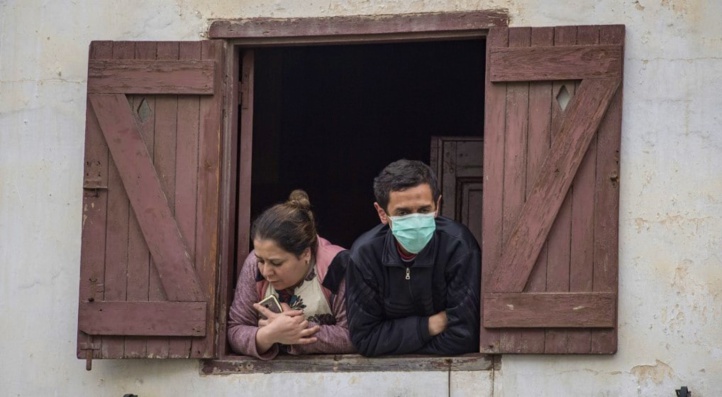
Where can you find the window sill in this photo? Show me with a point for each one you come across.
(348, 363)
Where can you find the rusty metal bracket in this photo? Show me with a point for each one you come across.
(89, 348)
(94, 185)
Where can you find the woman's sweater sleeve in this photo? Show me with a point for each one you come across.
(242, 318)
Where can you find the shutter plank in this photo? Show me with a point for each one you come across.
(144, 318)
(584, 114)
(582, 229)
(582, 310)
(176, 164)
(95, 209)
(555, 63)
(208, 193)
(186, 166)
(539, 138)
(139, 261)
(515, 160)
(164, 149)
(494, 126)
(118, 229)
(606, 224)
(151, 77)
(147, 199)
(558, 242)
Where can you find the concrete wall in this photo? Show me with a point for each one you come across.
(670, 322)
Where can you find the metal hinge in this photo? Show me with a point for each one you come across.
(94, 185)
(89, 348)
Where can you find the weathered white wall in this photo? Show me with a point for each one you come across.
(671, 206)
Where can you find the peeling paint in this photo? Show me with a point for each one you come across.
(656, 373)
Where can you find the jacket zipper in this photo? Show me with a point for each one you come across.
(408, 283)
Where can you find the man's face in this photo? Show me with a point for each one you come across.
(414, 200)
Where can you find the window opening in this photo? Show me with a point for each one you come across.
(328, 118)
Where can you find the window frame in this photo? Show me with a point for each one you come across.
(245, 35)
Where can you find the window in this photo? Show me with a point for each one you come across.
(166, 203)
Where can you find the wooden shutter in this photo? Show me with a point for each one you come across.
(151, 199)
(551, 189)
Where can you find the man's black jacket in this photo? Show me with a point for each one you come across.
(388, 314)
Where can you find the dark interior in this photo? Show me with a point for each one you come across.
(327, 119)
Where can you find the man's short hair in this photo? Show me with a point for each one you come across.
(401, 175)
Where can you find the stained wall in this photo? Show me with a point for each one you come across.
(670, 310)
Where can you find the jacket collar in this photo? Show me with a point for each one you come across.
(390, 255)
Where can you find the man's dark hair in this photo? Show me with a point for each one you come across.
(401, 175)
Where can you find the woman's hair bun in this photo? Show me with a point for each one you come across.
(299, 198)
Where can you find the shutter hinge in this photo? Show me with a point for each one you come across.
(89, 348)
(94, 185)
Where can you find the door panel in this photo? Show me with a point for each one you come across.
(457, 162)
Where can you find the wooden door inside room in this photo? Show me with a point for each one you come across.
(459, 167)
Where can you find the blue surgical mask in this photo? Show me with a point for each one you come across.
(413, 231)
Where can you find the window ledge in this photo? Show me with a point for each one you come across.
(348, 363)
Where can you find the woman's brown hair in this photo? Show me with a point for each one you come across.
(291, 224)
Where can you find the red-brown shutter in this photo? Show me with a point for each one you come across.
(151, 199)
(551, 190)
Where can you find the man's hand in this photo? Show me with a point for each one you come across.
(437, 323)
(288, 328)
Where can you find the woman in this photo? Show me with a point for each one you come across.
(289, 261)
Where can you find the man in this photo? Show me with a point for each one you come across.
(413, 281)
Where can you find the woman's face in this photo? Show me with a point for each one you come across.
(281, 268)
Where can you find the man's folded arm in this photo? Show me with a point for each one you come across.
(462, 309)
(370, 333)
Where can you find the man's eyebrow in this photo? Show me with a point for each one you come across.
(409, 209)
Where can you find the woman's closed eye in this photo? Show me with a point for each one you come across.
(272, 263)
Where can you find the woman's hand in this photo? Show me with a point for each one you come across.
(288, 328)
(262, 322)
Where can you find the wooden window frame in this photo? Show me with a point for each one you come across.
(245, 34)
